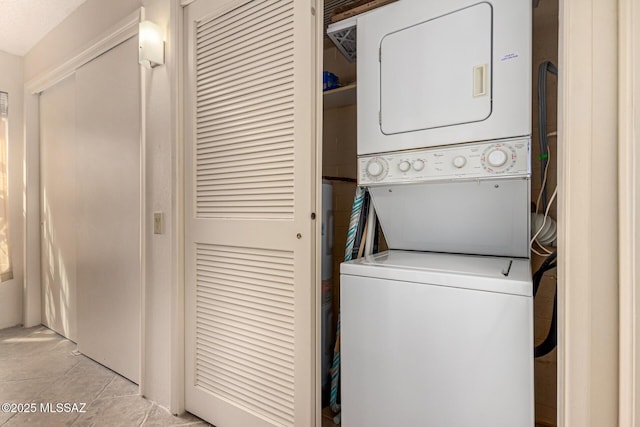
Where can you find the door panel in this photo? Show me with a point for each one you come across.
(435, 64)
(108, 209)
(249, 193)
(58, 213)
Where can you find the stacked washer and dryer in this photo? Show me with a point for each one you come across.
(438, 331)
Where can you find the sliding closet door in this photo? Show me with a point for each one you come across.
(58, 207)
(108, 209)
(249, 188)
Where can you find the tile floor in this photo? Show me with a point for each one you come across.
(38, 366)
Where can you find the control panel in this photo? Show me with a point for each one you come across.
(480, 160)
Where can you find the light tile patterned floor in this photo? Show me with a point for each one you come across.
(38, 366)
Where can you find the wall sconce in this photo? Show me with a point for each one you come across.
(150, 45)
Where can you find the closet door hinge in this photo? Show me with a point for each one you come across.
(380, 117)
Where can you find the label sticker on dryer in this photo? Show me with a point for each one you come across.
(509, 56)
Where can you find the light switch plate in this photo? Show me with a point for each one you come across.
(158, 223)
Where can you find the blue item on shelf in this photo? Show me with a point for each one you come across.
(329, 81)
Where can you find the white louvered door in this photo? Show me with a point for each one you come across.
(249, 196)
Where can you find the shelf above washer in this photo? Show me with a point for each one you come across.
(343, 34)
(339, 97)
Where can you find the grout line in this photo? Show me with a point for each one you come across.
(8, 419)
(72, 368)
(191, 423)
(146, 415)
(103, 389)
(136, 394)
(120, 397)
(89, 404)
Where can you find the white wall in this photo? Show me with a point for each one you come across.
(11, 81)
(88, 22)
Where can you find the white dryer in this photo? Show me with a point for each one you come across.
(444, 123)
(433, 339)
(436, 72)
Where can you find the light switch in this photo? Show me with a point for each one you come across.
(158, 223)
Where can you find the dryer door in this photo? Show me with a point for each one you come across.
(437, 73)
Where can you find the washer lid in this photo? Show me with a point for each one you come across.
(483, 273)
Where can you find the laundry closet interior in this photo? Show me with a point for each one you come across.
(340, 180)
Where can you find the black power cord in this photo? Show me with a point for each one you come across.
(550, 342)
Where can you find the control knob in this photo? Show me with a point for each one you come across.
(459, 161)
(497, 158)
(404, 166)
(418, 164)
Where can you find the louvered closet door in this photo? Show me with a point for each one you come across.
(249, 195)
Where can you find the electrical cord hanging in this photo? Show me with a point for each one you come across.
(545, 67)
(551, 340)
(544, 180)
(544, 220)
(544, 184)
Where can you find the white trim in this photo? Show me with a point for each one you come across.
(143, 222)
(123, 30)
(629, 212)
(176, 63)
(588, 313)
(185, 3)
(32, 292)
(317, 95)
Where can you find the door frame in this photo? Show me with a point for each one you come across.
(178, 94)
(598, 330)
(587, 133)
(629, 210)
(319, 58)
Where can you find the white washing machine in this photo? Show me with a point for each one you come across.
(442, 340)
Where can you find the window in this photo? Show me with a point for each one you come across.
(6, 272)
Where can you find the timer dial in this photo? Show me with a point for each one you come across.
(377, 168)
(374, 168)
(497, 158)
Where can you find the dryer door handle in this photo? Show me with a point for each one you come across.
(480, 80)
